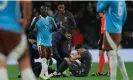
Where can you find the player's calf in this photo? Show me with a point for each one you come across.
(25, 67)
(44, 55)
(3, 71)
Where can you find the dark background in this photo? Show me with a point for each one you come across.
(88, 20)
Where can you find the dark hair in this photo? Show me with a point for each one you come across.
(69, 31)
(79, 46)
(43, 5)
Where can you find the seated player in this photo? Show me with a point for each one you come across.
(79, 63)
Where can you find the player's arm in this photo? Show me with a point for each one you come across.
(32, 24)
(72, 21)
(35, 19)
(102, 5)
(75, 56)
(57, 23)
(27, 8)
(54, 26)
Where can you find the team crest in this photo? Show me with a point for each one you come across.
(50, 22)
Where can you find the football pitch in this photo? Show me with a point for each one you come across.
(13, 71)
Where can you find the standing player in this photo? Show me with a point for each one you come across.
(101, 50)
(116, 13)
(64, 18)
(44, 25)
(13, 44)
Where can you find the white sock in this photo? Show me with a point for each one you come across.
(52, 74)
(113, 64)
(3, 74)
(27, 74)
(44, 67)
(122, 67)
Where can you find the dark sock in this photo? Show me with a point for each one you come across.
(63, 66)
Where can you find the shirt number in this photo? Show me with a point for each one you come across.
(120, 8)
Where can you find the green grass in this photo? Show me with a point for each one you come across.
(13, 71)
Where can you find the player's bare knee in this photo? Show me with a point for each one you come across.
(111, 53)
(25, 56)
(44, 55)
(101, 53)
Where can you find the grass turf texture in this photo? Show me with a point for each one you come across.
(13, 71)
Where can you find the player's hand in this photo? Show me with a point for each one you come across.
(35, 30)
(37, 18)
(32, 41)
(51, 54)
(71, 59)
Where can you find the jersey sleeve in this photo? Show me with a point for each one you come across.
(102, 5)
(54, 23)
(73, 22)
(33, 21)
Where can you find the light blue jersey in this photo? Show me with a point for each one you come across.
(43, 27)
(10, 15)
(115, 12)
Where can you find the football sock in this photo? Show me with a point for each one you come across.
(27, 74)
(122, 67)
(3, 74)
(101, 64)
(108, 64)
(44, 67)
(113, 64)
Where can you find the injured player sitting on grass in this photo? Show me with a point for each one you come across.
(79, 63)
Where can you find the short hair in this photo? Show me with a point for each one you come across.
(43, 5)
(69, 31)
(79, 46)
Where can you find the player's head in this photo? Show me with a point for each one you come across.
(61, 7)
(68, 34)
(44, 10)
(80, 48)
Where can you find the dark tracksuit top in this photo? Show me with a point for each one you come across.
(66, 19)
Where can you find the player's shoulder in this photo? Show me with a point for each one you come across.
(56, 13)
(50, 18)
(68, 12)
(37, 17)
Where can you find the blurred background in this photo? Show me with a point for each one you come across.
(88, 21)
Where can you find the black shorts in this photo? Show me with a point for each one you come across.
(77, 70)
(100, 43)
